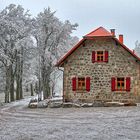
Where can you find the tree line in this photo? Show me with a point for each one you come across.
(29, 48)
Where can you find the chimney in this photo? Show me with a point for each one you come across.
(112, 32)
(121, 38)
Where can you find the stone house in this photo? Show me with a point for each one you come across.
(100, 67)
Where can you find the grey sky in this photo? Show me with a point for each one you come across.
(123, 15)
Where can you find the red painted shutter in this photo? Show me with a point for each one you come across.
(74, 83)
(128, 83)
(106, 56)
(87, 83)
(93, 56)
(113, 81)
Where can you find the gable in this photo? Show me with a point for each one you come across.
(98, 33)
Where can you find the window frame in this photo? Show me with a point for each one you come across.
(100, 56)
(125, 84)
(81, 82)
(84, 79)
(120, 81)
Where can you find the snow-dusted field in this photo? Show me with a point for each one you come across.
(17, 122)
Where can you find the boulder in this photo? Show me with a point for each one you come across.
(56, 99)
(43, 104)
(33, 105)
(76, 105)
(67, 105)
(138, 104)
(55, 104)
(98, 104)
(87, 105)
(113, 104)
(130, 104)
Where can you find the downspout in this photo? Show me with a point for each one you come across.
(63, 81)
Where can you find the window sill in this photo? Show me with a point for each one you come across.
(81, 91)
(100, 62)
(120, 91)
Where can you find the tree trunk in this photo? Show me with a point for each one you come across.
(46, 86)
(17, 77)
(36, 87)
(21, 74)
(7, 86)
(45, 77)
(26, 89)
(17, 89)
(11, 83)
(32, 92)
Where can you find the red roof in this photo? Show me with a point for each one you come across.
(99, 32)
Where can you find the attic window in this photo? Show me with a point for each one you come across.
(99, 56)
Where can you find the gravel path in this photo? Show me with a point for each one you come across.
(17, 122)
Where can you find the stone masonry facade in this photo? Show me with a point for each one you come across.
(120, 64)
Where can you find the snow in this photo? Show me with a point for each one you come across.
(17, 122)
(21, 103)
(59, 98)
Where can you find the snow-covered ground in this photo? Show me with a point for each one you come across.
(17, 122)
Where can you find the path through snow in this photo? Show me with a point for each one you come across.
(17, 122)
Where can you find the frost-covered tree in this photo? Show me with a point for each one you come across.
(15, 25)
(29, 48)
(52, 37)
(137, 48)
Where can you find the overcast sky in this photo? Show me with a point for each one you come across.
(122, 15)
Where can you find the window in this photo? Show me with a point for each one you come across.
(81, 84)
(99, 56)
(120, 84)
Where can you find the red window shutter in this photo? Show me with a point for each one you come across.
(106, 56)
(128, 83)
(93, 56)
(88, 84)
(113, 82)
(74, 83)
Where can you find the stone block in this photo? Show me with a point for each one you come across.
(67, 105)
(87, 105)
(55, 105)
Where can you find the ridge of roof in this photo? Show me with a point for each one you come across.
(99, 32)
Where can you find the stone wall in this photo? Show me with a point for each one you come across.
(121, 64)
